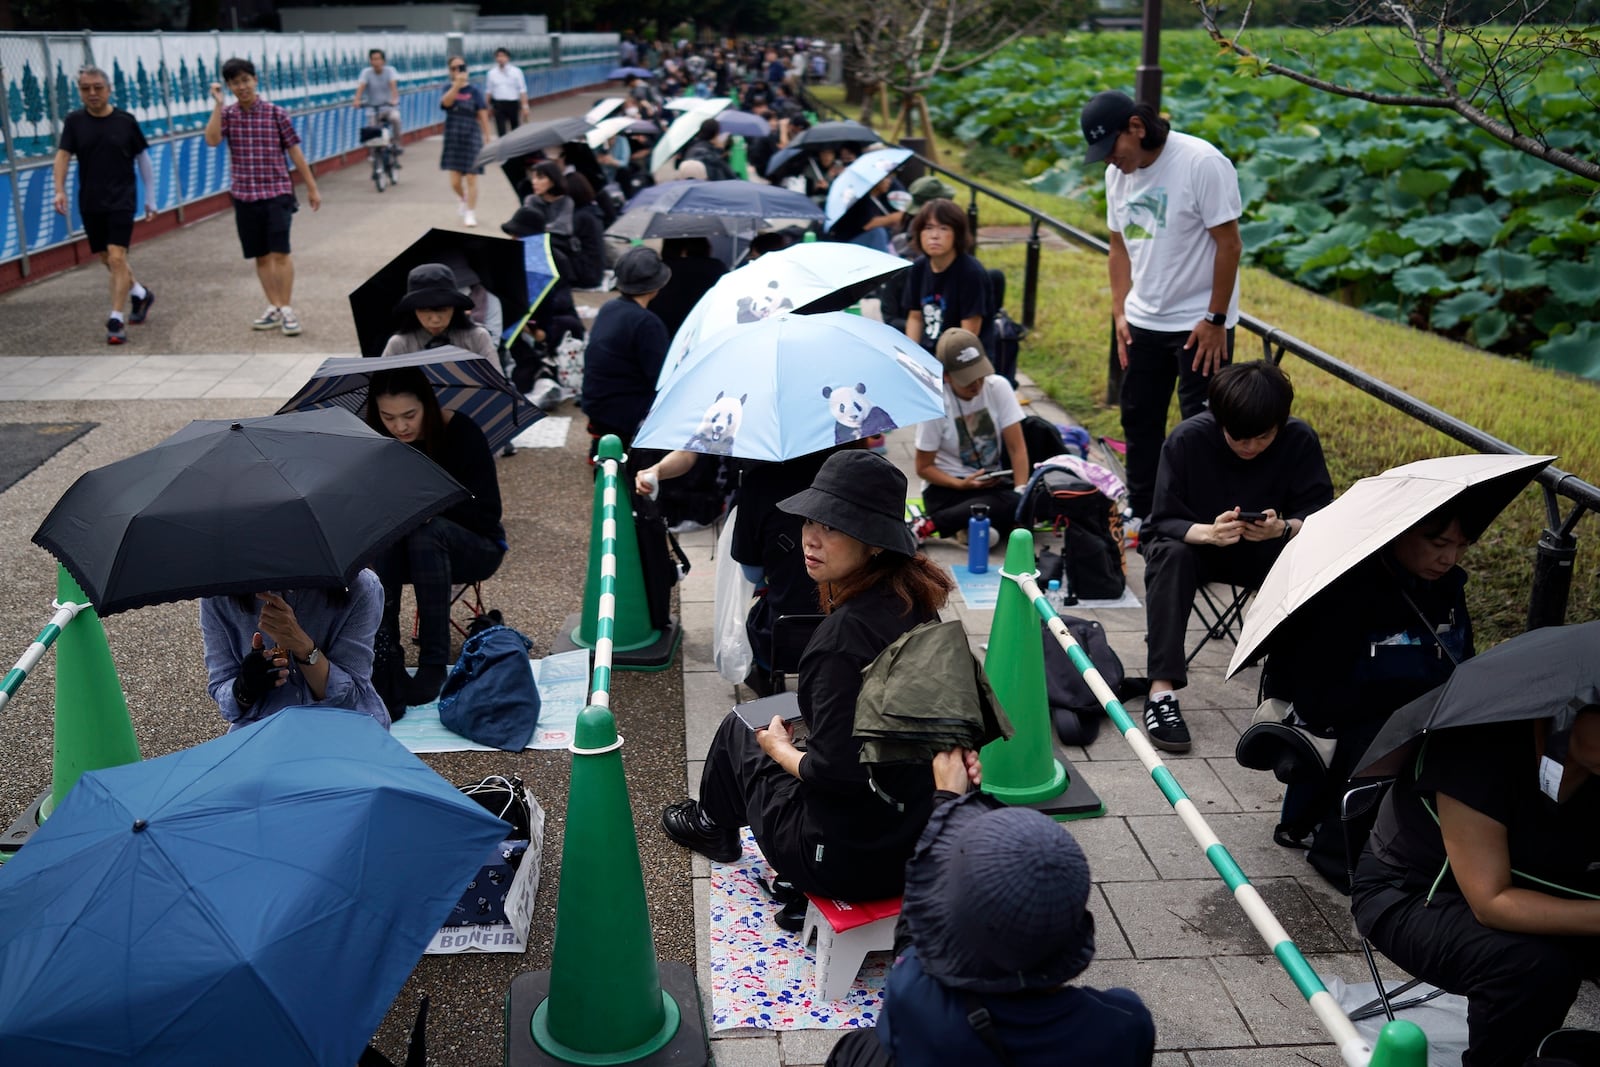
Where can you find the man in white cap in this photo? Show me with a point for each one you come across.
(1173, 207)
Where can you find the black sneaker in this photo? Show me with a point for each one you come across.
(791, 918)
(686, 824)
(1163, 722)
(115, 334)
(139, 307)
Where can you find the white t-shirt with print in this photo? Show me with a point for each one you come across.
(985, 417)
(1163, 213)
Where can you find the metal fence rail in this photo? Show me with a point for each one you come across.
(164, 80)
(1557, 547)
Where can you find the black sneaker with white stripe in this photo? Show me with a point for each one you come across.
(1163, 722)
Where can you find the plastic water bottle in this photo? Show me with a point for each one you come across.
(978, 540)
(1052, 595)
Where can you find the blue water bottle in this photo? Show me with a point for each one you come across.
(978, 540)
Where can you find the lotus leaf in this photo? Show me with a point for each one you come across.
(1462, 307)
(1490, 327)
(1577, 352)
(1425, 183)
(1576, 283)
(1510, 270)
(1425, 279)
(1514, 173)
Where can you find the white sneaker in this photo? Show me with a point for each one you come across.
(461, 207)
(469, 219)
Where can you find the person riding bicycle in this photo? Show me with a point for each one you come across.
(381, 88)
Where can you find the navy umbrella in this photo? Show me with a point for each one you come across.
(619, 73)
(282, 502)
(742, 124)
(834, 135)
(465, 383)
(257, 899)
(741, 200)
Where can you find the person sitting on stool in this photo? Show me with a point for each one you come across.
(1232, 488)
(958, 455)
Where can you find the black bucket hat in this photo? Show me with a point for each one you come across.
(861, 494)
(527, 222)
(640, 270)
(997, 899)
(432, 285)
(1274, 741)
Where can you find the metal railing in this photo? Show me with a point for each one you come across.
(1557, 548)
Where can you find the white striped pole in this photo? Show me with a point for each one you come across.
(14, 678)
(1353, 1048)
(606, 621)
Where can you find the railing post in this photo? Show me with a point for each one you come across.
(1030, 277)
(1552, 565)
(972, 214)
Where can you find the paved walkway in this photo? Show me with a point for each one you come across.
(1167, 927)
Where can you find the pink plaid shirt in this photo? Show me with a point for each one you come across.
(257, 140)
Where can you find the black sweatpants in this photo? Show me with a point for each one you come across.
(507, 115)
(1519, 987)
(1156, 361)
(1173, 572)
(741, 785)
(951, 508)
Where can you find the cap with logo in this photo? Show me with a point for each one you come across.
(962, 355)
(1104, 117)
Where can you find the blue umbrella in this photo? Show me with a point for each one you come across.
(257, 899)
(465, 383)
(630, 72)
(806, 278)
(793, 385)
(743, 124)
(857, 180)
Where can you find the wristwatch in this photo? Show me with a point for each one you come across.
(1217, 318)
(313, 657)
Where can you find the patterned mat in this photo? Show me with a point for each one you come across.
(762, 976)
(982, 591)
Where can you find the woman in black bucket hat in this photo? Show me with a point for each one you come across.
(826, 822)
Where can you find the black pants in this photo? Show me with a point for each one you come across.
(741, 785)
(507, 115)
(860, 1048)
(1519, 987)
(1156, 361)
(951, 508)
(1173, 572)
(431, 558)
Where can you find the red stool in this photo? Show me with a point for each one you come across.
(845, 933)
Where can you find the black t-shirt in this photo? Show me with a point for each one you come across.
(1494, 770)
(961, 291)
(106, 148)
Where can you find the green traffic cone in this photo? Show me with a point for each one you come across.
(93, 729)
(1024, 769)
(636, 644)
(738, 159)
(606, 1002)
(809, 238)
(1401, 1043)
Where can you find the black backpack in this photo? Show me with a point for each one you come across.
(1074, 709)
(660, 558)
(1090, 564)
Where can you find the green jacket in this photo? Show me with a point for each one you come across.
(926, 694)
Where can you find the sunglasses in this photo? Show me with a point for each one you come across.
(454, 66)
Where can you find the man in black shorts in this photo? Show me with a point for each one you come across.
(108, 144)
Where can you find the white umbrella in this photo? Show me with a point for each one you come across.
(703, 104)
(808, 278)
(606, 130)
(603, 108)
(680, 133)
(858, 179)
(1370, 514)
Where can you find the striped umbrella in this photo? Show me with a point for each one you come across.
(465, 383)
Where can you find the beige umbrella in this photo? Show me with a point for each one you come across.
(1370, 514)
(679, 134)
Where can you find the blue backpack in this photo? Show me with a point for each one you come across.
(489, 696)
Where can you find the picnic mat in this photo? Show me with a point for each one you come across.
(762, 976)
(983, 590)
(563, 681)
(548, 432)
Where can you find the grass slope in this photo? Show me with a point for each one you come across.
(1534, 409)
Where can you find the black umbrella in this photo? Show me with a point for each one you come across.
(220, 507)
(1550, 672)
(834, 135)
(495, 262)
(526, 140)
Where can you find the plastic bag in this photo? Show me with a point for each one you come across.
(730, 645)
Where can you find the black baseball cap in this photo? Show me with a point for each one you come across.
(1104, 117)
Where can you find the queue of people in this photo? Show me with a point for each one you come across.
(1478, 872)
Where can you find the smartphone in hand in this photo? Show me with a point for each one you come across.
(995, 476)
(757, 714)
(1252, 516)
